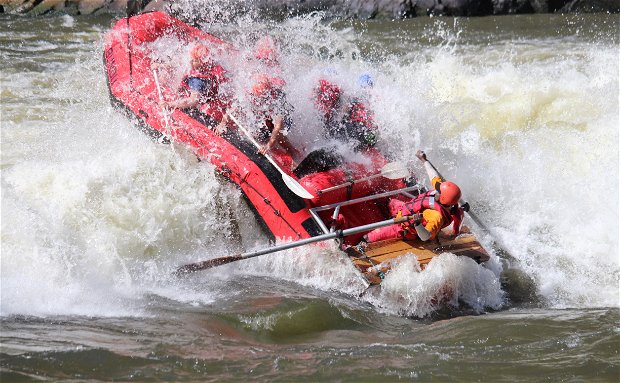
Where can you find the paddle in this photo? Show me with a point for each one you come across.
(161, 98)
(203, 265)
(290, 182)
(392, 171)
(473, 216)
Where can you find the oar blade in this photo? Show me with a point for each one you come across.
(395, 170)
(293, 185)
(203, 265)
(296, 187)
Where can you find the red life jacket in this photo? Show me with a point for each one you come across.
(359, 125)
(267, 99)
(359, 113)
(327, 97)
(265, 95)
(427, 201)
(212, 102)
(417, 205)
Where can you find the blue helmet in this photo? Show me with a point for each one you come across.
(330, 71)
(365, 81)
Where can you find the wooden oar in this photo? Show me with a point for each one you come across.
(290, 182)
(209, 263)
(161, 98)
(392, 171)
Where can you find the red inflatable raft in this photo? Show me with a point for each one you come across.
(335, 198)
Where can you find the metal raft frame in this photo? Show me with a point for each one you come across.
(336, 206)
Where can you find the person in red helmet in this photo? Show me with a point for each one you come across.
(328, 99)
(265, 51)
(434, 210)
(269, 107)
(268, 100)
(273, 114)
(200, 88)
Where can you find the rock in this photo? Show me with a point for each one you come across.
(503, 7)
(357, 9)
(592, 6)
(371, 9)
(467, 7)
(429, 8)
(540, 6)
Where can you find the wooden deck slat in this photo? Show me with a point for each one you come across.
(465, 245)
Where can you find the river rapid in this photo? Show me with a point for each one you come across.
(521, 111)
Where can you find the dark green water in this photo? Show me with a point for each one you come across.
(95, 216)
(315, 338)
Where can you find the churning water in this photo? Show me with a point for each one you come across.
(522, 111)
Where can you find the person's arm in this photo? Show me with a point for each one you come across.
(222, 127)
(278, 124)
(457, 220)
(430, 170)
(433, 225)
(186, 102)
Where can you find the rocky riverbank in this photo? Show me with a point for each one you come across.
(350, 9)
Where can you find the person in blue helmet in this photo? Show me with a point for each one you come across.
(347, 118)
(365, 81)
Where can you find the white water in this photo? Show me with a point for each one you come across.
(95, 215)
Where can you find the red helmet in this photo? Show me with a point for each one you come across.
(199, 52)
(261, 86)
(266, 50)
(449, 193)
(265, 84)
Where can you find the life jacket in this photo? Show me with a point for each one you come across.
(427, 201)
(210, 78)
(327, 98)
(206, 91)
(357, 124)
(265, 103)
(359, 113)
(266, 51)
(418, 205)
(268, 99)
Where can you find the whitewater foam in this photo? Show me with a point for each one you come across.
(95, 216)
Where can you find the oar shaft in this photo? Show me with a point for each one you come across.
(291, 183)
(251, 254)
(161, 98)
(349, 183)
(393, 167)
(497, 241)
(324, 237)
(252, 140)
